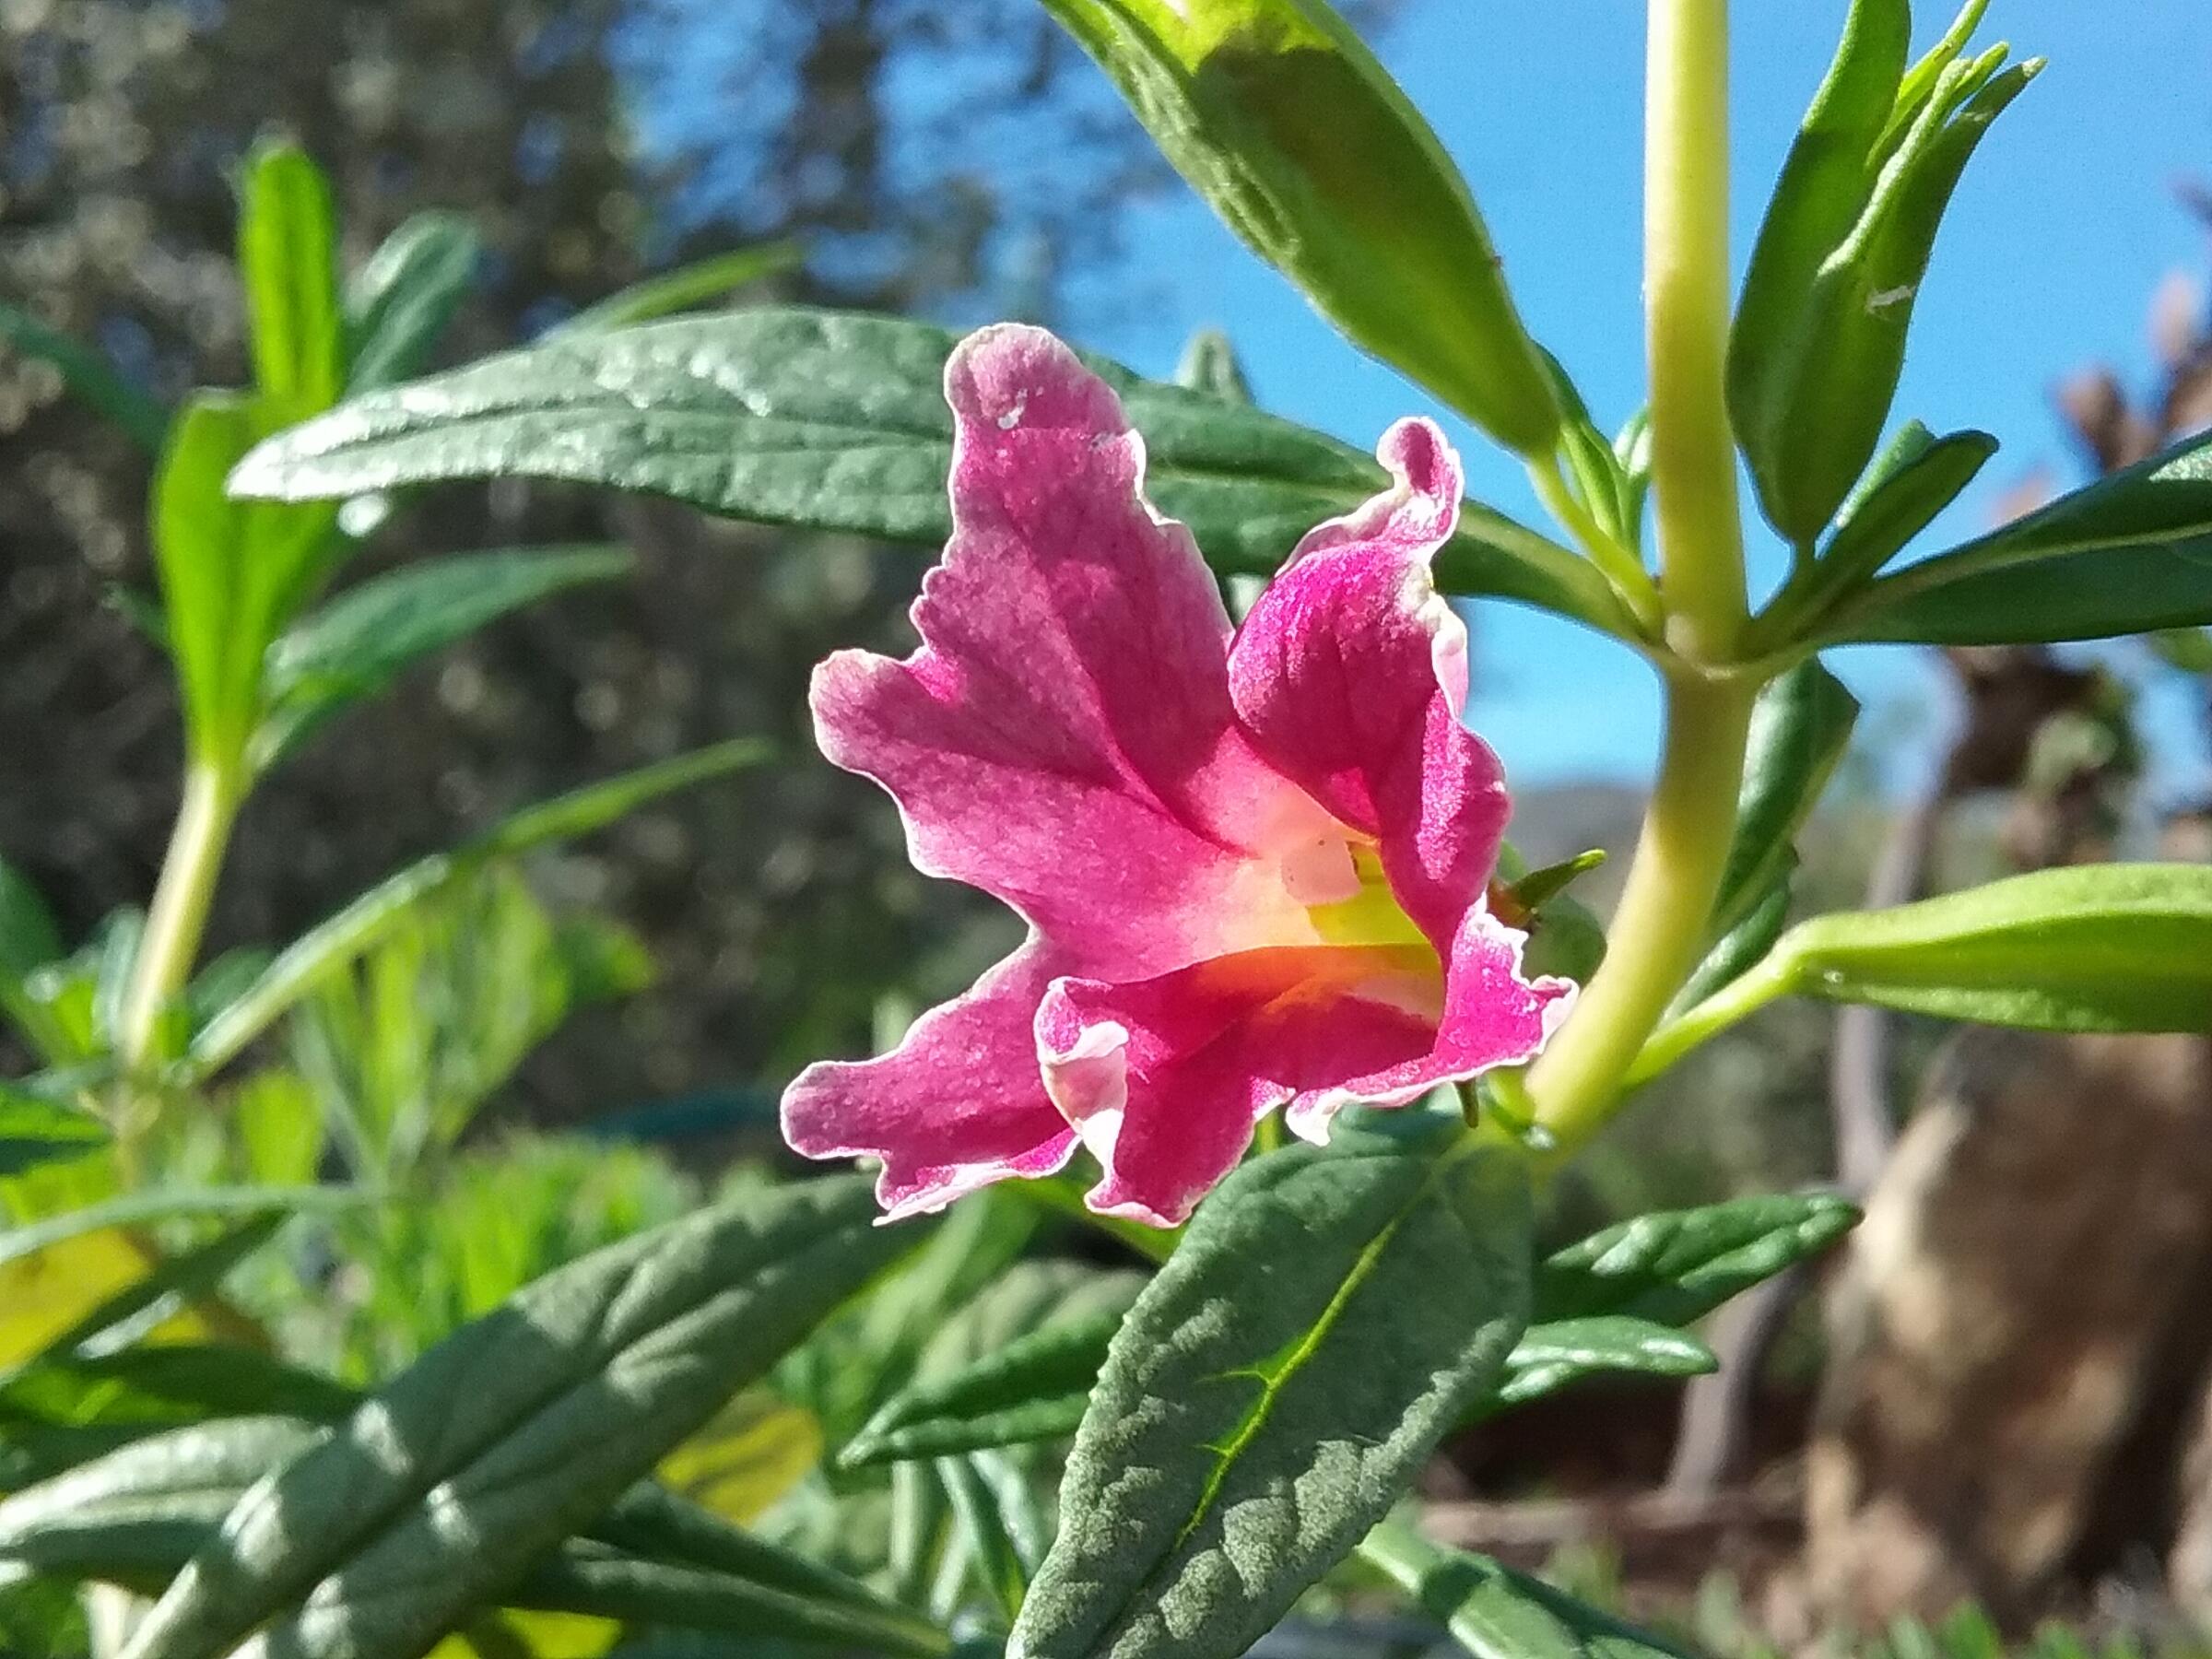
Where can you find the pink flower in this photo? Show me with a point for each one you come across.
(1255, 862)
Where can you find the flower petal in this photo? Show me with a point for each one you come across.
(955, 1106)
(1350, 675)
(1493, 1017)
(1063, 737)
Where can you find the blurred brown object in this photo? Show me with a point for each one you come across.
(2022, 1324)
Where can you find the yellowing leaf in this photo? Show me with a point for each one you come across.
(755, 1449)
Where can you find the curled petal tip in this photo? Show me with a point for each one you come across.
(1012, 375)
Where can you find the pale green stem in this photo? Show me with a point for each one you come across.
(1736, 1001)
(1660, 929)
(178, 918)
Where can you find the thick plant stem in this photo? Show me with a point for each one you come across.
(179, 914)
(1660, 928)
(1687, 311)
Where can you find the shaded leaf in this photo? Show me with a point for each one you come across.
(1556, 1354)
(89, 377)
(400, 302)
(1800, 728)
(357, 643)
(518, 1430)
(331, 944)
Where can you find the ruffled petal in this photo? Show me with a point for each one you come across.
(957, 1105)
(1492, 1016)
(1350, 674)
(1063, 737)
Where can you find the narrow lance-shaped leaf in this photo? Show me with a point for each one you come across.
(1267, 1399)
(89, 377)
(1821, 334)
(684, 288)
(301, 966)
(287, 260)
(2129, 554)
(139, 1515)
(1800, 729)
(1673, 1267)
(1364, 210)
(517, 1430)
(837, 421)
(357, 644)
(1496, 1613)
(1560, 1353)
(400, 302)
(1034, 1387)
(2097, 947)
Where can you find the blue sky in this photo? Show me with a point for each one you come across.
(2064, 226)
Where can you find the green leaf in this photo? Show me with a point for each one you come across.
(1912, 481)
(986, 1535)
(1740, 949)
(2129, 554)
(2188, 649)
(287, 259)
(1561, 1352)
(400, 302)
(1800, 729)
(142, 1209)
(36, 1128)
(1364, 211)
(1268, 1398)
(139, 1514)
(331, 944)
(1820, 336)
(684, 288)
(1539, 887)
(136, 1515)
(1032, 1387)
(838, 422)
(357, 644)
(517, 1429)
(2096, 948)
(1497, 1613)
(89, 377)
(233, 572)
(1674, 1267)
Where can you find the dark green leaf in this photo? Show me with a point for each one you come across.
(398, 304)
(1562, 1352)
(1676, 1266)
(1741, 948)
(1365, 211)
(36, 1127)
(684, 288)
(1497, 1613)
(138, 1514)
(2094, 947)
(517, 1429)
(1032, 1387)
(357, 644)
(1909, 483)
(1268, 1398)
(301, 965)
(89, 377)
(1800, 729)
(2129, 554)
(838, 422)
(984, 1534)
(28, 936)
(287, 259)
(1539, 887)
